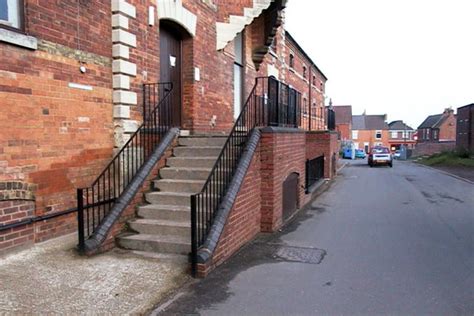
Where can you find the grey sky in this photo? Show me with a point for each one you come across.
(405, 58)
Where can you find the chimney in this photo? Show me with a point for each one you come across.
(448, 111)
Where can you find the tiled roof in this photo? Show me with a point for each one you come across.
(431, 121)
(369, 122)
(343, 114)
(398, 125)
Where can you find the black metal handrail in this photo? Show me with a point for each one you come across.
(96, 201)
(270, 103)
(314, 171)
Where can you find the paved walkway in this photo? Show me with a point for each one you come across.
(380, 241)
(51, 278)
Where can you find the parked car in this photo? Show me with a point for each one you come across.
(397, 154)
(360, 153)
(380, 156)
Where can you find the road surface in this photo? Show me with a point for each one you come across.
(379, 241)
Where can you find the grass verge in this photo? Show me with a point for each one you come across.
(448, 159)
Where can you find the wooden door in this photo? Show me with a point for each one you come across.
(170, 69)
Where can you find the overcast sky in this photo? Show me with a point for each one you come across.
(404, 58)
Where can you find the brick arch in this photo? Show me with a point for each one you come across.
(175, 12)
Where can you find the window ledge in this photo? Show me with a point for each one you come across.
(273, 53)
(18, 39)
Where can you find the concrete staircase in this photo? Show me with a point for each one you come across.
(226, 32)
(164, 226)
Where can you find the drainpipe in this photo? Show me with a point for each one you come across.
(310, 104)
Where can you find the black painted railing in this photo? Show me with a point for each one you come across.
(270, 103)
(314, 171)
(96, 201)
(331, 119)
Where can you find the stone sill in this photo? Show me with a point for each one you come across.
(18, 39)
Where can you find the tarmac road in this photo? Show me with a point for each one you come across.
(379, 241)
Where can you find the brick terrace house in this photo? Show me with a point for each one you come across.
(401, 134)
(369, 131)
(438, 128)
(436, 133)
(465, 128)
(344, 121)
(114, 114)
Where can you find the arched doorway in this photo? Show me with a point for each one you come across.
(171, 37)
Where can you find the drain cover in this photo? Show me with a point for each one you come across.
(299, 254)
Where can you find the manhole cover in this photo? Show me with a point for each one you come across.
(299, 254)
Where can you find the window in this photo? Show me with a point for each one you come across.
(394, 134)
(321, 86)
(273, 46)
(314, 80)
(355, 134)
(305, 106)
(292, 61)
(435, 134)
(314, 110)
(378, 134)
(304, 72)
(11, 13)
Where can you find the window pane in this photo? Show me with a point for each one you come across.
(3, 10)
(10, 13)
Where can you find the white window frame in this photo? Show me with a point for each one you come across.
(378, 132)
(355, 134)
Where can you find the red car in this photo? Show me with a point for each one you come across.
(380, 156)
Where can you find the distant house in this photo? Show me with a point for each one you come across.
(465, 128)
(344, 121)
(369, 131)
(438, 128)
(400, 134)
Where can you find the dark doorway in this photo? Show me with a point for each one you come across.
(290, 195)
(170, 67)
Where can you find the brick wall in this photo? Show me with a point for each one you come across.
(14, 238)
(368, 136)
(319, 143)
(447, 130)
(430, 148)
(282, 153)
(465, 128)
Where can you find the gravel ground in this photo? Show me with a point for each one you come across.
(51, 278)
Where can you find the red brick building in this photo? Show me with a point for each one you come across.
(344, 121)
(73, 81)
(369, 131)
(465, 128)
(401, 134)
(438, 128)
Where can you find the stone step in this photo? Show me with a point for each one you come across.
(169, 198)
(165, 212)
(193, 141)
(178, 185)
(191, 162)
(185, 173)
(156, 243)
(197, 151)
(161, 227)
(164, 257)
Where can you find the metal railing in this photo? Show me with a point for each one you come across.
(314, 171)
(96, 201)
(270, 103)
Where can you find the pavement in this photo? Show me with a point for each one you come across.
(51, 278)
(379, 241)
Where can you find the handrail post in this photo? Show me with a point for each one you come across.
(193, 236)
(80, 218)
